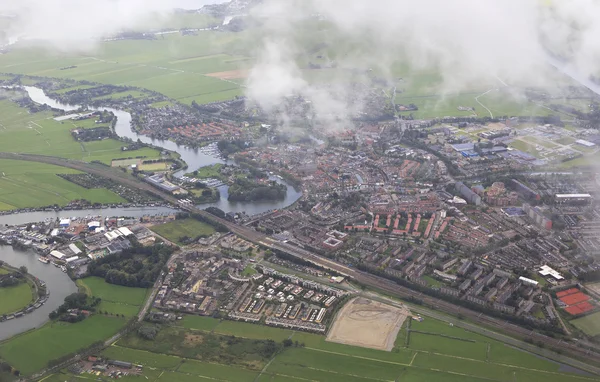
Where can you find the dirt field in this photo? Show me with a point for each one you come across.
(229, 75)
(594, 288)
(367, 323)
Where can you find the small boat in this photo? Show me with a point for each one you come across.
(44, 260)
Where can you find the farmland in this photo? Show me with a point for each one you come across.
(14, 298)
(39, 133)
(437, 351)
(33, 350)
(176, 230)
(212, 66)
(27, 184)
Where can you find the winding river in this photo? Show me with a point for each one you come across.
(194, 158)
(58, 283)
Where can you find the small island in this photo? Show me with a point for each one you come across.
(244, 190)
(247, 184)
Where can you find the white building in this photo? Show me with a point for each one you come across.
(547, 271)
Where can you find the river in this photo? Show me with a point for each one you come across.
(40, 216)
(57, 283)
(194, 158)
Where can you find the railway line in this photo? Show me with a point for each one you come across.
(501, 326)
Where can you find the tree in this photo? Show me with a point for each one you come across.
(23, 269)
(287, 343)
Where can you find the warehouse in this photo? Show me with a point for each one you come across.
(573, 198)
(58, 255)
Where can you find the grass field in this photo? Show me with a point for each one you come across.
(590, 324)
(14, 298)
(428, 358)
(25, 184)
(207, 172)
(96, 286)
(39, 133)
(116, 299)
(29, 184)
(31, 351)
(175, 230)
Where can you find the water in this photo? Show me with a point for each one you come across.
(194, 157)
(57, 283)
(39, 216)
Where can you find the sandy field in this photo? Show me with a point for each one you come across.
(366, 323)
(594, 287)
(229, 75)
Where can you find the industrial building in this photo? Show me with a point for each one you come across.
(573, 198)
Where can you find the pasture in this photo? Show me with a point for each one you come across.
(177, 229)
(40, 134)
(14, 298)
(31, 351)
(29, 184)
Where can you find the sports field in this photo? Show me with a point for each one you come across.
(177, 229)
(31, 351)
(436, 351)
(29, 184)
(590, 324)
(116, 299)
(367, 323)
(14, 298)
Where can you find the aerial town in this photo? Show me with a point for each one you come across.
(151, 234)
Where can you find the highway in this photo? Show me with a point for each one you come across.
(390, 287)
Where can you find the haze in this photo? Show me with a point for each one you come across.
(504, 43)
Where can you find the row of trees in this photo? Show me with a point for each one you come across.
(79, 301)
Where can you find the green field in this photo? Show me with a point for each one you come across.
(207, 172)
(31, 351)
(590, 324)
(25, 184)
(115, 294)
(447, 352)
(39, 133)
(429, 357)
(14, 298)
(29, 184)
(175, 230)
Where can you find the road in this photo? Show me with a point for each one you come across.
(482, 105)
(364, 278)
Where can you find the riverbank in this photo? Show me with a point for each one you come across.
(194, 158)
(55, 281)
(12, 304)
(83, 208)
